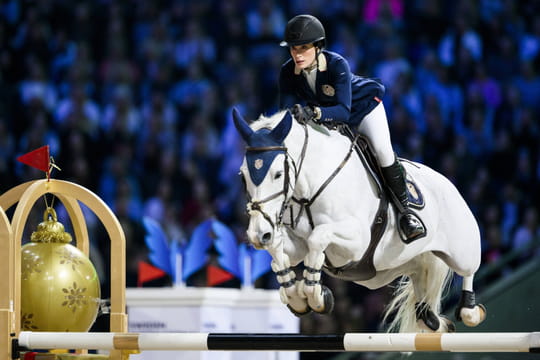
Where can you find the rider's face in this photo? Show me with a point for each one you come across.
(303, 55)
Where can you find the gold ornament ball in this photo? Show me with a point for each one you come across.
(60, 289)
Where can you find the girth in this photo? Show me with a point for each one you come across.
(364, 269)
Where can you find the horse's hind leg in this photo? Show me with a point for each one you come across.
(467, 310)
(429, 284)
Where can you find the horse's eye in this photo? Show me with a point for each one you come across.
(278, 175)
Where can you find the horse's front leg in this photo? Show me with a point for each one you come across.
(286, 277)
(320, 298)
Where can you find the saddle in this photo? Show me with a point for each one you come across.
(365, 151)
(364, 269)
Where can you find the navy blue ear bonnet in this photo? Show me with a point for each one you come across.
(258, 162)
(263, 145)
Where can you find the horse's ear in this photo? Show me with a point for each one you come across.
(241, 125)
(282, 129)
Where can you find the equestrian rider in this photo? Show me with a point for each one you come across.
(318, 85)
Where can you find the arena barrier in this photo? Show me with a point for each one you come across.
(376, 342)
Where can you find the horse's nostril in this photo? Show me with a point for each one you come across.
(266, 238)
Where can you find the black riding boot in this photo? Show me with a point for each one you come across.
(410, 226)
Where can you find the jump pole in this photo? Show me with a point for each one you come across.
(373, 342)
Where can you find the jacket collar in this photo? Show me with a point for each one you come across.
(322, 64)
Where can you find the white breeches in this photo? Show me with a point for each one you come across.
(375, 127)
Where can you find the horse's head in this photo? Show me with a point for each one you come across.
(266, 173)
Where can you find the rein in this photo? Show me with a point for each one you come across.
(306, 203)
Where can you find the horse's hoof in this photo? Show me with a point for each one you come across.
(328, 298)
(473, 317)
(427, 316)
(449, 324)
(299, 313)
(484, 312)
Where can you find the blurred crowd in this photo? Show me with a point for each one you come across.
(134, 99)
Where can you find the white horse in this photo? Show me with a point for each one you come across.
(312, 200)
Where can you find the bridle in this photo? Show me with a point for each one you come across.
(256, 205)
(304, 203)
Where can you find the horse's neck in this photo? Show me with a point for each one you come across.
(323, 155)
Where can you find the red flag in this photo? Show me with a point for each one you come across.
(38, 158)
(216, 275)
(148, 272)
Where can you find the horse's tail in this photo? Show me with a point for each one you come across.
(403, 304)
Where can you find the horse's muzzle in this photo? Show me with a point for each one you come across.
(260, 240)
(266, 239)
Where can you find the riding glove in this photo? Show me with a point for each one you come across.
(302, 114)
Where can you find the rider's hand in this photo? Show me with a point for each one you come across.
(302, 114)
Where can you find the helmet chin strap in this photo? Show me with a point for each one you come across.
(314, 64)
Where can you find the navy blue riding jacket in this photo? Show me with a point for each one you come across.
(342, 96)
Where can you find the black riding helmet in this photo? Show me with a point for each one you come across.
(304, 29)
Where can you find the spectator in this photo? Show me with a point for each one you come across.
(503, 64)
(529, 47)
(187, 92)
(527, 83)
(78, 111)
(374, 10)
(38, 88)
(200, 146)
(449, 96)
(121, 118)
(487, 87)
(264, 26)
(459, 42)
(194, 47)
(527, 232)
(393, 64)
